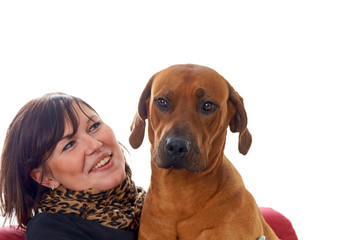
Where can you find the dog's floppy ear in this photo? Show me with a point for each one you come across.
(238, 122)
(138, 126)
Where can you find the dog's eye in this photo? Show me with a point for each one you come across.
(208, 107)
(161, 102)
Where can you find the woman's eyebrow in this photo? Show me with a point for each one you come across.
(68, 136)
(92, 118)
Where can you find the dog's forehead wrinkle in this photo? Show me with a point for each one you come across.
(168, 94)
(162, 91)
(200, 92)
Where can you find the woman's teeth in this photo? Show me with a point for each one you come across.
(102, 163)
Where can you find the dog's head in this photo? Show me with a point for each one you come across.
(189, 108)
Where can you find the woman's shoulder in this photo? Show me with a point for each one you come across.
(46, 219)
(60, 226)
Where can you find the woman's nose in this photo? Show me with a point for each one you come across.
(92, 145)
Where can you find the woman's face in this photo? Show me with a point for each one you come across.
(92, 158)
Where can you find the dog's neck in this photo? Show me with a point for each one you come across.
(181, 189)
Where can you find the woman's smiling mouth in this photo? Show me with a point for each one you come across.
(101, 163)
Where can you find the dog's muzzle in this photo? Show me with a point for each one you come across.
(176, 148)
(178, 151)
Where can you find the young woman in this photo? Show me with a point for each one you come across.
(64, 174)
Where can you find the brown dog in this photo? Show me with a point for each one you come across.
(195, 191)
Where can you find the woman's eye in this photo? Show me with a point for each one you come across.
(94, 126)
(208, 107)
(68, 145)
(161, 103)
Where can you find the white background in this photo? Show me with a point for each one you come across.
(297, 64)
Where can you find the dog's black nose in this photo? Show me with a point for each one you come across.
(177, 146)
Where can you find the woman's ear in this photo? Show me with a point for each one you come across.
(43, 179)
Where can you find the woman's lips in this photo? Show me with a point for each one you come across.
(102, 162)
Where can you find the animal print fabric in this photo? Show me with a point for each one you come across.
(118, 208)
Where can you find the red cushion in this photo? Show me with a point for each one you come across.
(279, 223)
(11, 233)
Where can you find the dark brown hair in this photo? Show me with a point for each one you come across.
(30, 140)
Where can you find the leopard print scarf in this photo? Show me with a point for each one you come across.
(118, 208)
